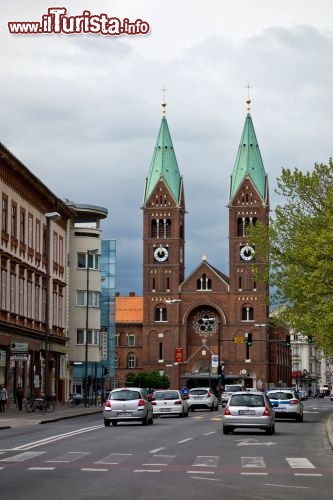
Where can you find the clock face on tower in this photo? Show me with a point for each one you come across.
(247, 252)
(161, 254)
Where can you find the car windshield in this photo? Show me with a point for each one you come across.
(166, 395)
(232, 388)
(280, 395)
(198, 392)
(247, 400)
(125, 395)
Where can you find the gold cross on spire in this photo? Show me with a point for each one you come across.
(163, 100)
(248, 100)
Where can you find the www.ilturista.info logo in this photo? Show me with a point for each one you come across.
(56, 22)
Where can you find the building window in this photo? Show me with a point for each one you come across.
(4, 216)
(61, 251)
(161, 314)
(21, 296)
(117, 340)
(204, 283)
(160, 350)
(3, 289)
(29, 299)
(247, 313)
(81, 298)
(14, 221)
(92, 259)
(116, 361)
(131, 360)
(37, 236)
(22, 226)
(12, 293)
(37, 300)
(93, 337)
(160, 228)
(30, 231)
(55, 247)
(131, 340)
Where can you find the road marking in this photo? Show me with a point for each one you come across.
(206, 461)
(200, 472)
(300, 463)
(146, 470)
(94, 470)
(114, 458)
(41, 468)
(253, 442)
(184, 440)
(287, 486)
(71, 456)
(253, 462)
(157, 450)
(23, 456)
(311, 474)
(254, 473)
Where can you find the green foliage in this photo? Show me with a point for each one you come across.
(151, 380)
(297, 252)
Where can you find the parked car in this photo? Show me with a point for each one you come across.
(230, 389)
(286, 404)
(169, 402)
(127, 405)
(202, 398)
(249, 410)
(331, 395)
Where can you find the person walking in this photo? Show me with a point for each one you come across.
(3, 398)
(19, 394)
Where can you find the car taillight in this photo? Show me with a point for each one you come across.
(294, 402)
(153, 403)
(227, 411)
(266, 412)
(178, 402)
(107, 403)
(141, 402)
(209, 395)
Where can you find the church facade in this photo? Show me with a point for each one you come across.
(207, 328)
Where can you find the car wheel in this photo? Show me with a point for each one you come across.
(114, 422)
(212, 407)
(216, 407)
(270, 430)
(299, 418)
(226, 429)
(181, 414)
(151, 420)
(106, 422)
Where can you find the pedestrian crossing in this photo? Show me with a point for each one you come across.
(155, 462)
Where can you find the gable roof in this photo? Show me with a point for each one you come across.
(204, 263)
(129, 309)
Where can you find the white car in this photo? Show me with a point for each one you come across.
(286, 404)
(169, 402)
(202, 398)
(230, 389)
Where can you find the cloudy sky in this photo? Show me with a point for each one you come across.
(82, 111)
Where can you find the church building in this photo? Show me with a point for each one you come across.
(207, 328)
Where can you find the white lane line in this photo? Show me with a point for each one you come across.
(206, 461)
(253, 462)
(41, 468)
(184, 440)
(254, 473)
(205, 478)
(147, 470)
(200, 472)
(157, 450)
(287, 486)
(208, 433)
(94, 470)
(311, 474)
(23, 456)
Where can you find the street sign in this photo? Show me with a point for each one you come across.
(19, 356)
(238, 340)
(19, 347)
(184, 390)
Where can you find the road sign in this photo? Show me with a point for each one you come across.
(238, 340)
(184, 390)
(19, 347)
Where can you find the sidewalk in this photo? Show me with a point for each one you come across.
(15, 418)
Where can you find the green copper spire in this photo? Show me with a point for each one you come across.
(248, 161)
(164, 163)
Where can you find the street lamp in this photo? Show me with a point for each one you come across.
(50, 216)
(89, 252)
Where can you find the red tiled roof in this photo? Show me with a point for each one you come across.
(129, 309)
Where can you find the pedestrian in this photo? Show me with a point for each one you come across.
(3, 398)
(19, 394)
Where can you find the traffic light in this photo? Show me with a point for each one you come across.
(287, 341)
(310, 339)
(89, 380)
(105, 371)
(249, 339)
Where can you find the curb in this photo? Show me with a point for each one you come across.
(329, 428)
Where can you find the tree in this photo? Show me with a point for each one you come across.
(297, 248)
(151, 380)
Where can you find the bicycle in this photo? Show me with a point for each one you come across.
(32, 404)
(75, 400)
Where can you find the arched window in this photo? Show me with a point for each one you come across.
(153, 229)
(131, 360)
(168, 228)
(204, 283)
(161, 314)
(240, 227)
(247, 313)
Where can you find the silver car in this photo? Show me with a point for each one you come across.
(249, 410)
(202, 398)
(127, 405)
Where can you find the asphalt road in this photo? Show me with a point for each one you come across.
(80, 459)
